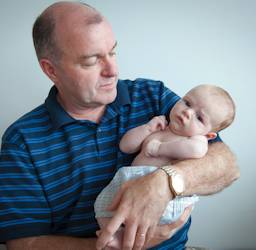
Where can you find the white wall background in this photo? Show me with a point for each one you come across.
(183, 43)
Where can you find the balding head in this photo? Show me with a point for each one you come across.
(57, 18)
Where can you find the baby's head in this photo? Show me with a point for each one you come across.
(204, 110)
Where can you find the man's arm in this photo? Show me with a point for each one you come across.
(50, 242)
(210, 174)
(137, 198)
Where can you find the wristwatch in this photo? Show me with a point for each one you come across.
(176, 181)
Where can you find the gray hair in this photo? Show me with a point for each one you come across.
(43, 31)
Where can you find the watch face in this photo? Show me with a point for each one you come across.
(178, 184)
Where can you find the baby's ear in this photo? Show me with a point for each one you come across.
(211, 135)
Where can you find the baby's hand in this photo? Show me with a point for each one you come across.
(157, 123)
(152, 148)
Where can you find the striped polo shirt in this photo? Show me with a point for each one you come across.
(53, 166)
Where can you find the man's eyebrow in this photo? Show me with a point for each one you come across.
(84, 57)
(115, 45)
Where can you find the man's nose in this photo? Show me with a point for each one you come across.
(109, 67)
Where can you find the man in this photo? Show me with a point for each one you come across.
(58, 157)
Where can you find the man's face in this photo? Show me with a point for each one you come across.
(87, 73)
(197, 113)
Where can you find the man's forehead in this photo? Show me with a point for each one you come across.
(74, 13)
(61, 8)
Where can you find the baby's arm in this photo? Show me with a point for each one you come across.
(180, 148)
(133, 139)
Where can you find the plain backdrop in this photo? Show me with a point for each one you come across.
(183, 43)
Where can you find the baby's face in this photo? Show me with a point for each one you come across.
(197, 113)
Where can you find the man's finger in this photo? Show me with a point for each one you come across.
(180, 222)
(140, 238)
(184, 217)
(129, 235)
(150, 234)
(108, 231)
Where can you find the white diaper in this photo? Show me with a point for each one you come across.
(172, 212)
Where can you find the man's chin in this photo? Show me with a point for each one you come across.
(110, 97)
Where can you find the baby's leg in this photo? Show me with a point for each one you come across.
(117, 239)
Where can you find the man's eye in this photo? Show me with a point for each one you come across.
(90, 61)
(112, 53)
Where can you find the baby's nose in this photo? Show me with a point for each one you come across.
(188, 113)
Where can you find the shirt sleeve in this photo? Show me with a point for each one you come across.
(24, 210)
(167, 100)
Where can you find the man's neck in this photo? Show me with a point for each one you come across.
(93, 114)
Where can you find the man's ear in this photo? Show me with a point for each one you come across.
(211, 135)
(48, 68)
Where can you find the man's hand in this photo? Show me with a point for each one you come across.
(165, 232)
(116, 242)
(138, 205)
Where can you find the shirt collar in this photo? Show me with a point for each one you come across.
(123, 97)
(60, 117)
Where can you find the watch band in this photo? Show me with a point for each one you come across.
(169, 170)
(176, 182)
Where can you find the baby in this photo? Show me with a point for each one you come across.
(195, 119)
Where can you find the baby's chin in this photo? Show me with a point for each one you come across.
(176, 129)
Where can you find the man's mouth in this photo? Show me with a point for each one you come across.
(108, 86)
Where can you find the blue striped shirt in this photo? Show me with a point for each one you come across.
(53, 166)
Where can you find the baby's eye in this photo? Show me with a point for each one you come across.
(187, 103)
(199, 118)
